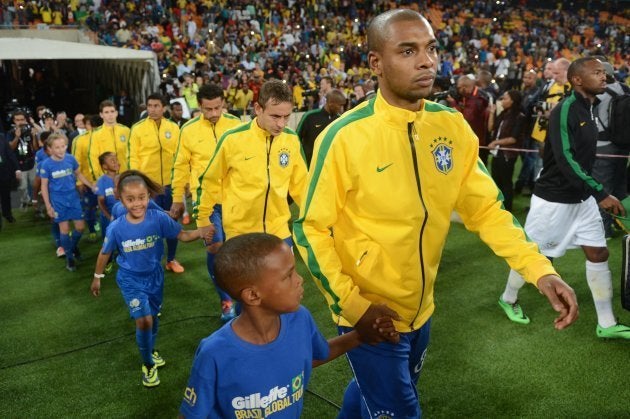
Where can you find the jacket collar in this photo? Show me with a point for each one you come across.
(397, 117)
(257, 131)
(584, 100)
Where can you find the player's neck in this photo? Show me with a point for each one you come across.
(111, 173)
(256, 328)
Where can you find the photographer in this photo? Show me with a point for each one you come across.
(531, 96)
(22, 139)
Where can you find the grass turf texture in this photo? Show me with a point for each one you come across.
(64, 353)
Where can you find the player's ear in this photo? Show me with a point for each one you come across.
(250, 296)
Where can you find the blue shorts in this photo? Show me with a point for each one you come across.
(142, 294)
(216, 218)
(390, 389)
(67, 207)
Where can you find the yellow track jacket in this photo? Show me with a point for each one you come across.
(151, 150)
(257, 172)
(83, 147)
(381, 189)
(112, 139)
(198, 140)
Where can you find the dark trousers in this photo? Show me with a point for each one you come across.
(611, 173)
(5, 198)
(502, 173)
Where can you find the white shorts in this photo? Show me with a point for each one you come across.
(556, 227)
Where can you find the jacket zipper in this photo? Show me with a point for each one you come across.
(264, 220)
(161, 162)
(411, 133)
(216, 140)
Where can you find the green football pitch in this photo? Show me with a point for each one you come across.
(64, 353)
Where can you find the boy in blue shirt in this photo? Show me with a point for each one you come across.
(260, 362)
(59, 174)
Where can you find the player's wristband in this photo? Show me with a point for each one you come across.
(99, 276)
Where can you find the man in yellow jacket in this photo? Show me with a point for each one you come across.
(259, 164)
(384, 180)
(84, 148)
(198, 140)
(152, 144)
(111, 136)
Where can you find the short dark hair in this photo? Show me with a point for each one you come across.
(378, 28)
(209, 91)
(275, 90)
(19, 112)
(240, 259)
(157, 96)
(176, 104)
(577, 67)
(104, 156)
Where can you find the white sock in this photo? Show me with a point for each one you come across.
(185, 206)
(514, 283)
(599, 281)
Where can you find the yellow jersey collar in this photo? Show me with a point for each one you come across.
(397, 117)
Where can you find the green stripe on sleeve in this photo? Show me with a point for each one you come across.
(302, 240)
(566, 146)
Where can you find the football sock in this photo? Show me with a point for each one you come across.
(599, 281)
(76, 236)
(171, 245)
(66, 243)
(210, 265)
(54, 230)
(154, 331)
(144, 338)
(514, 283)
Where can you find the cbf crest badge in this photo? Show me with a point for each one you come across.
(442, 154)
(123, 138)
(167, 134)
(284, 157)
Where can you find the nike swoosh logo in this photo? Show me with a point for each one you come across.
(380, 169)
(249, 158)
(582, 124)
(318, 125)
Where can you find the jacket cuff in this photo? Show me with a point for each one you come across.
(203, 221)
(355, 306)
(600, 195)
(532, 275)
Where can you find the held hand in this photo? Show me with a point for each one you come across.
(561, 297)
(50, 211)
(82, 188)
(176, 211)
(385, 326)
(208, 234)
(95, 288)
(612, 205)
(365, 326)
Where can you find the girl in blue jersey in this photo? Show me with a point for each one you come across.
(138, 238)
(59, 175)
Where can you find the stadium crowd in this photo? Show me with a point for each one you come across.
(502, 65)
